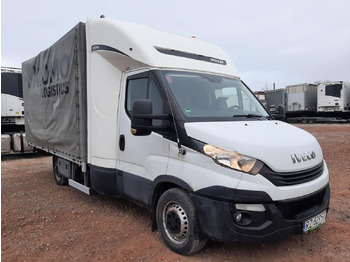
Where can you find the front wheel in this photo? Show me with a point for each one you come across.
(178, 223)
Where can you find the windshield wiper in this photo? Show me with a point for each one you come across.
(249, 116)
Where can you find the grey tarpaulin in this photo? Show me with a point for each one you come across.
(54, 93)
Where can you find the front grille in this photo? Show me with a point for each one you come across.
(305, 206)
(291, 178)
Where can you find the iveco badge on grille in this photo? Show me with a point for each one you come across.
(303, 156)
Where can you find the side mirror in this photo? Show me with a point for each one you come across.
(142, 116)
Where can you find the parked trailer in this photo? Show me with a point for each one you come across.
(260, 95)
(276, 102)
(165, 121)
(13, 137)
(12, 109)
(333, 99)
(276, 98)
(302, 100)
(310, 103)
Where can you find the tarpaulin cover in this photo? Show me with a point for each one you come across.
(54, 91)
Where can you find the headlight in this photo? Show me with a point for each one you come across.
(233, 160)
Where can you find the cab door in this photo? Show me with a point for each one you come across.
(141, 158)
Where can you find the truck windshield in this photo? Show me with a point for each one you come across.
(212, 98)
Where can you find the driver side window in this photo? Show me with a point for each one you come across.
(142, 86)
(136, 89)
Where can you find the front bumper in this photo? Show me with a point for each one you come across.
(280, 219)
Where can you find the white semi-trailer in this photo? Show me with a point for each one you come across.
(302, 100)
(165, 121)
(13, 137)
(334, 98)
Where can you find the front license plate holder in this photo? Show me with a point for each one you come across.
(314, 222)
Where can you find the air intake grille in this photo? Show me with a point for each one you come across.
(291, 178)
(305, 206)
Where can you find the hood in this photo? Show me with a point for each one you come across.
(275, 143)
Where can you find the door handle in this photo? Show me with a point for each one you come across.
(122, 142)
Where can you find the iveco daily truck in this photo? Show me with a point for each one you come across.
(165, 121)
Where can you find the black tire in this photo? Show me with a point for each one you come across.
(178, 223)
(60, 180)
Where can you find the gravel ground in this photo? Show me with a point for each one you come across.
(41, 221)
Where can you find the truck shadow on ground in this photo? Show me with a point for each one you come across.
(29, 155)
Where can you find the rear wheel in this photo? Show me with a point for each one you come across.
(178, 223)
(60, 179)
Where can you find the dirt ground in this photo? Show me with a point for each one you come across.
(41, 221)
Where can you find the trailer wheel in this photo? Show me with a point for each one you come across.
(60, 180)
(178, 223)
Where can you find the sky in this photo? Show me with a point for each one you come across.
(285, 42)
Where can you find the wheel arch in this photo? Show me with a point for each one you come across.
(160, 185)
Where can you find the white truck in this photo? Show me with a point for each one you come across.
(13, 137)
(165, 121)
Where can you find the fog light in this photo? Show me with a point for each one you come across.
(242, 218)
(238, 217)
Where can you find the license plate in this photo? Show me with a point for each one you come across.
(314, 222)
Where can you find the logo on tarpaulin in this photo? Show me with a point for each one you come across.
(51, 75)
